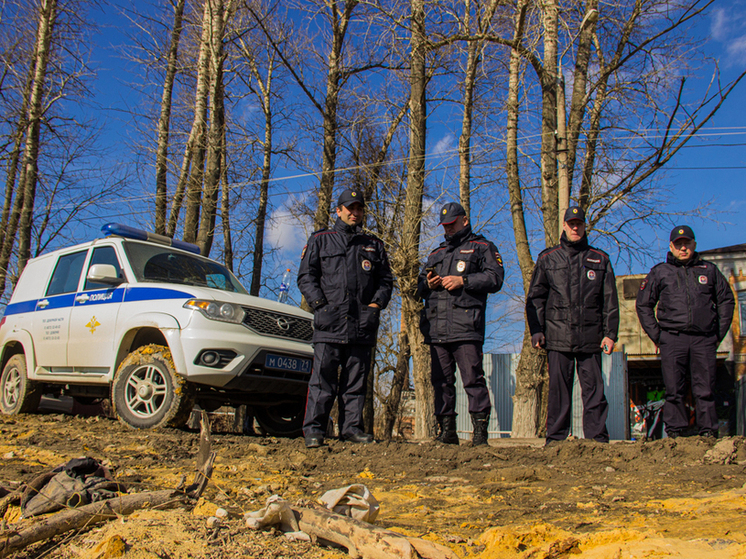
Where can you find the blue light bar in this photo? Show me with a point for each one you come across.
(133, 233)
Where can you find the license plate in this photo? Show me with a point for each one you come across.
(295, 364)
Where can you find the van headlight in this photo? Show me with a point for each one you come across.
(216, 310)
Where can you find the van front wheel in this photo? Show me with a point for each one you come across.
(18, 394)
(147, 392)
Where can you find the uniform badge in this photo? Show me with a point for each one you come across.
(703, 280)
(643, 284)
(591, 274)
(367, 265)
(499, 258)
(303, 252)
(461, 266)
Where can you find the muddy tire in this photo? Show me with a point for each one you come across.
(147, 392)
(282, 420)
(18, 394)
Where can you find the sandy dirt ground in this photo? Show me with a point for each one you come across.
(512, 499)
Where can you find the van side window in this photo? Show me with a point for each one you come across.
(67, 273)
(103, 255)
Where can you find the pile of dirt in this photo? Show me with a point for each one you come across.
(677, 498)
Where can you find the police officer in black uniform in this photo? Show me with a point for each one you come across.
(695, 309)
(454, 283)
(345, 276)
(573, 311)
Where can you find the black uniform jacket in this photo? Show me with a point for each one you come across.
(458, 315)
(342, 271)
(692, 297)
(572, 298)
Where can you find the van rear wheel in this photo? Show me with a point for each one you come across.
(147, 392)
(18, 394)
(282, 420)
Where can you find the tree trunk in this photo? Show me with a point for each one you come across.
(192, 166)
(410, 249)
(12, 208)
(261, 218)
(225, 206)
(330, 124)
(526, 401)
(464, 141)
(164, 123)
(48, 15)
(578, 101)
(548, 78)
(391, 406)
(206, 230)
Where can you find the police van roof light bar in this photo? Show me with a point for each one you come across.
(133, 233)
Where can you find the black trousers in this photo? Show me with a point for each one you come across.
(468, 356)
(339, 370)
(681, 353)
(559, 408)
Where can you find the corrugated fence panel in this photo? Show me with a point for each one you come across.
(499, 372)
(614, 370)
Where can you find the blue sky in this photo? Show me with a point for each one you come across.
(712, 170)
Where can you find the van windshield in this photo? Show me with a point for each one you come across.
(153, 263)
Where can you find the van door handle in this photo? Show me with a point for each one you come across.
(82, 298)
(42, 304)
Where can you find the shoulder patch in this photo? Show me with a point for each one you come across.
(643, 284)
(303, 252)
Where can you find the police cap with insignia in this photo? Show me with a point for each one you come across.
(450, 213)
(574, 212)
(682, 232)
(349, 197)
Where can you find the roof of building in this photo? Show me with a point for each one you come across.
(725, 250)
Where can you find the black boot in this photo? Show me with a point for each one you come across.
(481, 422)
(448, 433)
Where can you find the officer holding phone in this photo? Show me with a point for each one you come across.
(573, 311)
(455, 283)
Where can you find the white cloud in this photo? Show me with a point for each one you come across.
(719, 27)
(444, 145)
(287, 233)
(728, 27)
(736, 49)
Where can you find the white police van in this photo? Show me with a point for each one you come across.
(145, 321)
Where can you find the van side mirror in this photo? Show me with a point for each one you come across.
(104, 273)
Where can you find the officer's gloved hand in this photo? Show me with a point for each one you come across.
(538, 340)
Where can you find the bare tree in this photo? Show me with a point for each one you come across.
(164, 121)
(262, 73)
(623, 66)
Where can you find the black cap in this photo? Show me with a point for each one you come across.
(350, 196)
(682, 231)
(574, 212)
(450, 213)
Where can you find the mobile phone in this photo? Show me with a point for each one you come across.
(431, 269)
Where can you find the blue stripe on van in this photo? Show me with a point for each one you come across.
(57, 302)
(153, 293)
(19, 308)
(130, 294)
(102, 297)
